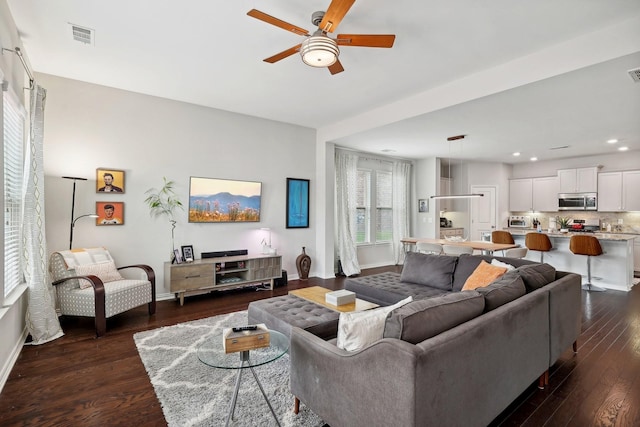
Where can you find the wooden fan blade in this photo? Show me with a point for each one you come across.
(284, 54)
(277, 22)
(366, 40)
(336, 67)
(334, 14)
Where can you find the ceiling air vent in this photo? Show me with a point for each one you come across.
(82, 34)
(635, 74)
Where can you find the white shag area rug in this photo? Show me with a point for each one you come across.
(194, 394)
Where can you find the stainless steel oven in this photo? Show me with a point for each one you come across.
(578, 202)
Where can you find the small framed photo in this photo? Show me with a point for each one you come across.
(109, 181)
(423, 205)
(297, 203)
(187, 253)
(110, 213)
(177, 258)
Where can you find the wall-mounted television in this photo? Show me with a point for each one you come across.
(224, 200)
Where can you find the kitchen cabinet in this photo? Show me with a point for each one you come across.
(445, 190)
(580, 180)
(618, 191)
(533, 194)
(450, 232)
(520, 194)
(545, 194)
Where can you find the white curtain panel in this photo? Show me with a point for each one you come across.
(346, 185)
(42, 321)
(400, 181)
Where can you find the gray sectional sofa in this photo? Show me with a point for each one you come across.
(450, 357)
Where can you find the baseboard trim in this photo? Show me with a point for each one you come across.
(13, 358)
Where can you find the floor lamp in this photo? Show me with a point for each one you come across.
(73, 206)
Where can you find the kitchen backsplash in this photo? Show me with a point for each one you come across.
(630, 220)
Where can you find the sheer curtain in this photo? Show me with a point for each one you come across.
(346, 184)
(42, 321)
(400, 181)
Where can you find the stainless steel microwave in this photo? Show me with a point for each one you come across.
(578, 202)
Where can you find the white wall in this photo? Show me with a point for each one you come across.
(426, 173)
(89, 126)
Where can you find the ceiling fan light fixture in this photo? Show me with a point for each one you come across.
(319, 51)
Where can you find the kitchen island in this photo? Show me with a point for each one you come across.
(612, 270)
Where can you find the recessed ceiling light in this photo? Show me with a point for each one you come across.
(388, 150)
(516, 153)
(612, 141)
(533, 159)
(623, 148)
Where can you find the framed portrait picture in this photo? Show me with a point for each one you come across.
(177, 257)
(423, 205)
(109, 181)
(110, 213)
(297, 203)
(187, 253)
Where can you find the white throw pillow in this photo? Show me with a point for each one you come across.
(497, 263)
(106, 271)
(358, 329)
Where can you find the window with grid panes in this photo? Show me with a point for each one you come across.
(374, 206)
(13, 141)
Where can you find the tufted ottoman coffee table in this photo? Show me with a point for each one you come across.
(281, 313)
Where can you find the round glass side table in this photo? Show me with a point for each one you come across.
(212, 353)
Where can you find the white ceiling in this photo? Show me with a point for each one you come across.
(513, 76)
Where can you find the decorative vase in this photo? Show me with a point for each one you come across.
(303, 264)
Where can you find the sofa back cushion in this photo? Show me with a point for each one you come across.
(503, 290)
(423, 319)
(431, 270)
(465, 267)
(536, 276)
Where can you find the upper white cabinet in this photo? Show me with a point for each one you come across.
(533, 194)
(445, 190)
(520, 195)
(618, 191)
(580, 180)
(545, 194)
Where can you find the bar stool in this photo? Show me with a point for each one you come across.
(589, 246)
(538, 242)
(504, 237)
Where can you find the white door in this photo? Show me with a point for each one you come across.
(483, 211)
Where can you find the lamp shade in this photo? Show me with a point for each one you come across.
(319, 51)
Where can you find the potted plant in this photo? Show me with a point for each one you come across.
(563, 222)
(164, 202)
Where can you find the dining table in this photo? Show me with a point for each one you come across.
(479, 245)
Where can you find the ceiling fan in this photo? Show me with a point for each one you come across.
(318, 49)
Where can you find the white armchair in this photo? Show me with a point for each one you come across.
(89, 284)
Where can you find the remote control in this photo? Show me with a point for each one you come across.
(245, 328)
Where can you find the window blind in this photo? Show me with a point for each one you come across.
(13, 131)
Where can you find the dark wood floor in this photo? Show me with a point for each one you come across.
(78, 380)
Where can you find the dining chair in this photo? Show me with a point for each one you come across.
(429, 248)
(456, 250)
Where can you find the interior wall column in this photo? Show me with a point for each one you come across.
(323, 210)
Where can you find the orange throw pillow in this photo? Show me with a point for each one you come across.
(484, 274)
